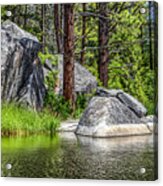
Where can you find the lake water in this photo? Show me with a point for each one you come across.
(69, 156)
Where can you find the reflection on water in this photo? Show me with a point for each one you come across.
(70, 156)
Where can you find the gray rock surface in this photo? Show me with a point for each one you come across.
(151, 119)
(103, 92)
(109, 111)
(21, 71)
(108, 116)
(125, 98)
(68, 126)
(133, 104)
(85, 82)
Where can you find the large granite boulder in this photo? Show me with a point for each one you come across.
(22, 77)
(107, 116)
(85, 82)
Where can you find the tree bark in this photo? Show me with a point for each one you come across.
(57, 25)
(43, 27)
(25, 16)
(155, 30)
(68, 76)
(150, 35)
(19, 12)
(83, 35)
(103, 42)
(62, 25)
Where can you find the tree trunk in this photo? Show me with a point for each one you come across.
(57, 25)
(155, 30)
(13, 12)
(142, 41)
(62, 25)
(103, 42)
(25, 16)
(83, 35)
(43, 27)
(155, 56)
(150, 35)
(18, 11)
(68, 76)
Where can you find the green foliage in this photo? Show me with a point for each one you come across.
(47, 56)
(52, 77)
(54, 102)
(81, 103)
(57, 105)
(129, 65)
(20, 120)
(129, 55)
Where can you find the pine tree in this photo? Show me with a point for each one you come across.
(103, 42)
(58, 26)
(83, 35)
(68, 77)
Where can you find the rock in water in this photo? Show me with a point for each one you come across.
(133, 104)
(125, 98)
(109, 111)
(22, 77)
(108, 116)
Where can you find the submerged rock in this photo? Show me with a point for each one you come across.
(68, 126)
(107, 116)
(151, 119)
(21, 71)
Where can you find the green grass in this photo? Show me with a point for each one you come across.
(19, 120)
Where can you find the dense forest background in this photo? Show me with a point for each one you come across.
(116, 42)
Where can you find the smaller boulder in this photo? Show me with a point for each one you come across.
(114, 113)
(125, 98)
(109, 111)
(68, 126)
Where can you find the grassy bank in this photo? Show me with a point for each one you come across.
(18, 120)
